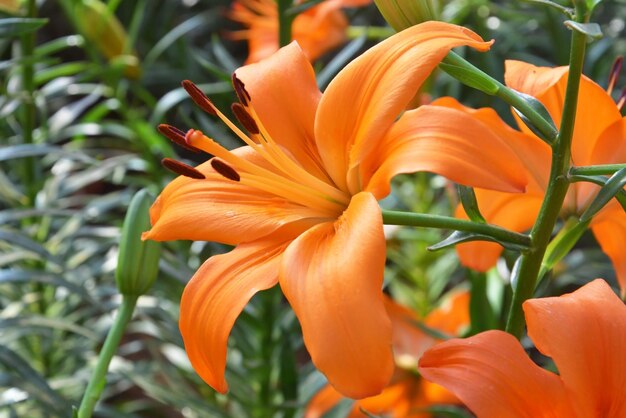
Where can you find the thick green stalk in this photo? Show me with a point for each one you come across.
(530, 263)
(98, 378)
(391, 217)
(284, 22)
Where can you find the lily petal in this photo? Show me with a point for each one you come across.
(448, 142)
(585, 334)
(215, 297)
(320, 29)
(596, 109)
(610, 148)
(371, 91)
(493, 376)
(516, 212)
(332, 276)
(285, 96)
(222, 210)
(609, 228)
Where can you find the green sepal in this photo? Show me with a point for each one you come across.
(459, 237)
(591, 30)
(15, 26)
(538, 107)
(471, 78)
(470, 204)
(138, 260)
(614, 185)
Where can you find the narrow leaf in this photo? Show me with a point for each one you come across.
(614, 185)
(470, 204)
(459, 237)
(592, 30)
(15, 26)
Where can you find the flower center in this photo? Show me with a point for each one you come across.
(276, 172)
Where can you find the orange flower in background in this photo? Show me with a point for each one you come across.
(318, 30)
(407, 393)
(585, 334)
(599, 138)
(299, 202)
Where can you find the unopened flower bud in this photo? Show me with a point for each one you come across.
(138, 261)
(402, 14)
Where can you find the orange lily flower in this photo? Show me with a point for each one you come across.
(407, 393)
(318, 30)
(599, 138)
(300, 200)
(585, 334)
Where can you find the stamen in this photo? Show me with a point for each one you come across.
(199, 97)
(245, 119)
(176, 136)
(614, 74)
(240, 89)
(621, 100)
(182, 169)
(224, 169)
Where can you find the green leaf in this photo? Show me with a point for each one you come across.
(592, 30)
(288, 381)
(459, 237)
(538, 107)
(15, 26)
(591, 4)
(471, 78)
(614, 185)
(32, 382)
(470, 204)
(567, 11)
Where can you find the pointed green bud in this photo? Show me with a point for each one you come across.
(138, 261)
(402, 14)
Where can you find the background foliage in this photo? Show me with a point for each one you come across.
(77, 123)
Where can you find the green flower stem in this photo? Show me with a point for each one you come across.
(506, 94)
(530, 263)
(98, 378)
(391, 217)
(284, 22)
(370, 32)
(596, 170)
(28, 105)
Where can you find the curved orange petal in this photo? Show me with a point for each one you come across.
(609, 228)
(215, 297)
(285, 96)
(332, 276)
(596, 109)
(365, 98)
(320, 29)
(448, 142)
(452, 315)
(585, 333)
(409, 342)
(517, 212)
(222, 210)
(493, 376)
(323, 401)
(610, 148)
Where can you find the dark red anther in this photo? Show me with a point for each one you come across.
(199, 97)
(245, 119)
(181, 169)
(225, 169)
(240, 89)
(176, 136)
